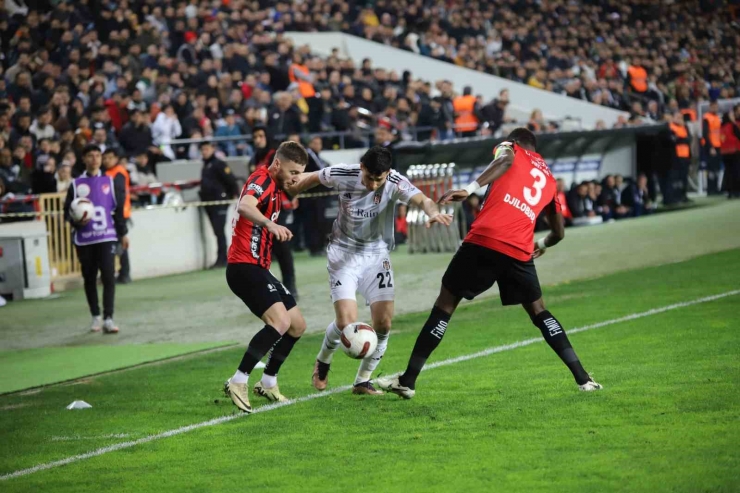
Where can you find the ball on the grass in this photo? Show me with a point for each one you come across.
(359, 340)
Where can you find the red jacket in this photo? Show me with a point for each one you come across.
(730, 138)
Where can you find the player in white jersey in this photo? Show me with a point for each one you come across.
(358, 252)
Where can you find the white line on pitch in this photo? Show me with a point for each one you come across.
(277, 405)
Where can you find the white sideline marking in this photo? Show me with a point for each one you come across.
(277, 405)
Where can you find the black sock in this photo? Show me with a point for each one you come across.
(258, 347)
(428, 340)
(554, 335)
(279, 354)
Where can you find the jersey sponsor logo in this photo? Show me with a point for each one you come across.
(522, 206)
(272, 288)
(256, 188)
(336, 284)
(357, 212)
(348, 196)
(255, 243)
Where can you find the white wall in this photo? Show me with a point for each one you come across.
(524, 98)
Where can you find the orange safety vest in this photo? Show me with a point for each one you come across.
(691, 112)
(715, 125)
(638, 78)
(683, 150)
(466, 120)
(113, 172)
(305, 88)
(730, 143)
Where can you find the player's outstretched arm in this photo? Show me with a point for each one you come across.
(306, 181)
(248, 210)
(495, 170)
(431, 210)
(557, 230)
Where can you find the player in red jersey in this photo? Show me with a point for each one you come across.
(248, 274)
(500, 248)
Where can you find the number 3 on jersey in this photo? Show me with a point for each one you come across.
(534, 195)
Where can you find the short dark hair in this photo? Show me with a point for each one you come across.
(110, 150)
(204, 143)
(292, 151)
(377, 160)
(523, 136)
(90, 148)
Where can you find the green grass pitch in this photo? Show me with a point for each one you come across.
(513, 421)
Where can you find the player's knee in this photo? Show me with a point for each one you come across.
(297, 327)
(280, 322)
(382, 325)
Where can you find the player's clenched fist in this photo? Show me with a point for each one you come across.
(454, 196)
(281, 233)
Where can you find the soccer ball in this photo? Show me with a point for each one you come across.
(81, 209)
(359, 340)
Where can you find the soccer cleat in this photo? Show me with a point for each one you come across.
(391, 384)
(109, 326)
(238, 392)
(320, 377)
(365, 388)
(590, 386)
(97, 324)
(272, 394)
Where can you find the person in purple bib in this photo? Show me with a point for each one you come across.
(96, 238)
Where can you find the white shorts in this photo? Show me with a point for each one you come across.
(370, 274)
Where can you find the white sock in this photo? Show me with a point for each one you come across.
(369, 364)
(269, 381)
(240, 377)
(331, 343)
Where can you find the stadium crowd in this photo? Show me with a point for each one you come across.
(132, 76)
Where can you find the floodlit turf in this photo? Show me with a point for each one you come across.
(33, 367)
(512, 421)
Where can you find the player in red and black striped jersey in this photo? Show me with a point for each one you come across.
(500, 248)
(249, 277)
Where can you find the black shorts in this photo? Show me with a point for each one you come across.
(474, 269)
(257, 288)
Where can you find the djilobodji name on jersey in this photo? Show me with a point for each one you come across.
(522, 206)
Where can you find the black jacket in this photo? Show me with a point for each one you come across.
(119, 187)
(216, 181)
(135, 140)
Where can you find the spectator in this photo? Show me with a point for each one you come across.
(494, 113)
(64, 176)
(41, 127)
(43, 178)
(536, 121)
(580, 203)
(467, 113)
(284, 117)
(636, 197)
(563, 200)
(136, 135)
(165, 129)
(610, 200)
(229, 128)
(10, 172)
(401, 231)
(140, 172)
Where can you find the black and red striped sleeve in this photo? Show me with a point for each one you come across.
(259, 186)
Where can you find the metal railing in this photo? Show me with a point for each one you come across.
(62, 255)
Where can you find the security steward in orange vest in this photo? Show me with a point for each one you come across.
(712, 144)
(467, 113)
(731, 151)
(638, 77)
(118, 172)
(682, 157)
(298, 73)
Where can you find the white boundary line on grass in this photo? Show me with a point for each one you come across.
(277, 405)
